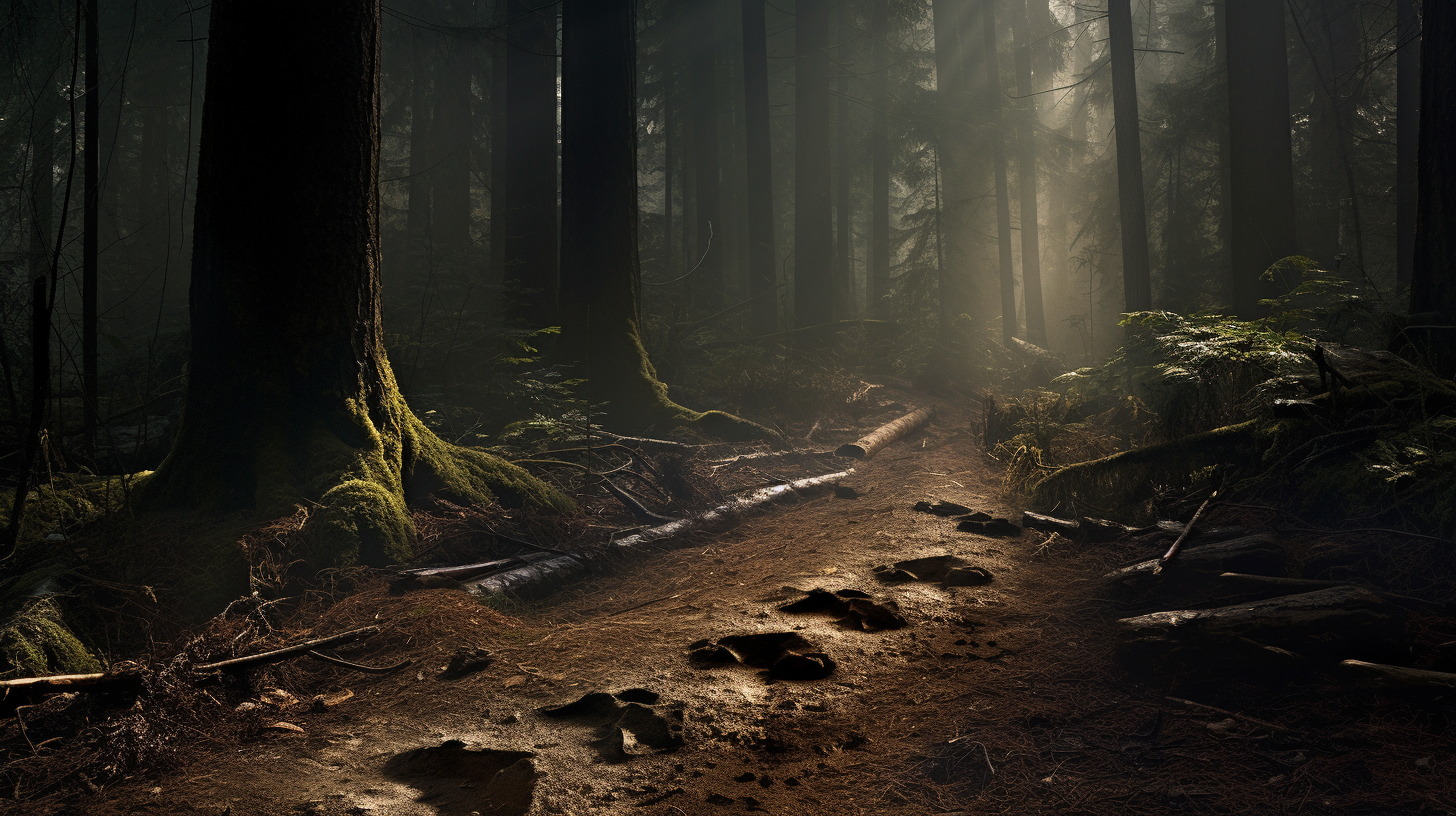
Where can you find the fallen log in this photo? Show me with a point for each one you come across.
(549, 572)
(1051, 364)
(1327, 624)
(463, 572)
(1263, 586)
(1254, 554)
(1400, 676)
(868, 446)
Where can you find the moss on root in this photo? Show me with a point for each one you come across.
(36, 641)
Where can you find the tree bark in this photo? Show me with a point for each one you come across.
(1407, 139)
(600, 272)
(877, 276)
(995, 110)
(499, 160)
(1026, 173)
(1261, 167)
(1136, 269)
(813, 210)
(963, 175)
(91, 231)
(702, 76)
(1433, 280)
(762, 254)
(452, 130)
(290, 398)
(417, 216)
(843, 222)
(531, 249)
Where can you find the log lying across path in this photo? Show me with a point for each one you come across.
(548, 569)
(868, 446)
(1402, 677)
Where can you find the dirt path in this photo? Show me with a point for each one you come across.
(994, 698)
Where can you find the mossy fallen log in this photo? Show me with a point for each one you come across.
(1117, 485)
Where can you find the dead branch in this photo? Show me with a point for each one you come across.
(287, 652)
(1178, 543)
(1402, 676)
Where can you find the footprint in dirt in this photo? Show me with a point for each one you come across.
(852, 608)
(634, 712)
(947, 570)
(782, 655)
(456, 780)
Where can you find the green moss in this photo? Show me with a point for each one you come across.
(358, 522)
(1117, 486)
(36, 641)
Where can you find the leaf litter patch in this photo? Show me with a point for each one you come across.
(455, 780)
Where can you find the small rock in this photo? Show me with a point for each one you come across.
(719, 799)
(811, 666)
(746, 776)
(845, 492)
(966, 576)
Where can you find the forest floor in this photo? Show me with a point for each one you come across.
(1002, 698)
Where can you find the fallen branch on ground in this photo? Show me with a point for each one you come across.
(1183, 536)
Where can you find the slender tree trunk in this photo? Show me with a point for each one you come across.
(1407, 125)
(1136, 270)
(843, 222)
(1261, 172)
(995, 110)
(452, 131)
(963, 173)
(813, 210)
(531, 247)
(91, 231)
(877, 276)
(499, 160)
(1433, 280)
(1026, 173)
(703, 108)
(417, 216)
(1225, 161)
(762, 255)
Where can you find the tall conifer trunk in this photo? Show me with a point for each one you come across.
(994, 108)
(531, 247)
(813, 209)
(1026, 173)
(290, 399)
(878, 273)
(762, 257)
(1261, 166)
(1136, 270)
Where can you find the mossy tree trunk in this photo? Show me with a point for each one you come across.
(290, 398)
(600, 271)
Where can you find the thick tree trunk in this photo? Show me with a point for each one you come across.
(994, 110)
(813, 210)
(762, 255)
(702, 75)
(877, 275)
(1026, 176)
(290, 398)
(600, 272)
(1407, 125)
(1261, 170)
(1433, 280)
(530, 180)
(1136, 269)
